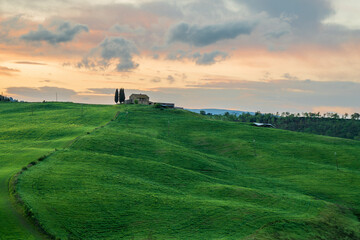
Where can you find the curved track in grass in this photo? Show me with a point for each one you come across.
(29, 131)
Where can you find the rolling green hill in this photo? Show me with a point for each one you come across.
(28, 131)
(172, 174)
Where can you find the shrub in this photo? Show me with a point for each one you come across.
(136, 101)
(157, 105)
(29, 213)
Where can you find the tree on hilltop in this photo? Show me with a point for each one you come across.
(122, 95)
(355, 116)
(116, 96)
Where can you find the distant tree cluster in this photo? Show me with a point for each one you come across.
(7, 99)
(329, 124)
(119, 96)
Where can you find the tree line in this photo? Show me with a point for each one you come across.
(119, 96)
(7, 99)
(329, 124)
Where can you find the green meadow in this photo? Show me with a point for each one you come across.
(171, 174)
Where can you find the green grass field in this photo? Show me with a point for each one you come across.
(172, 174)
(28, 131)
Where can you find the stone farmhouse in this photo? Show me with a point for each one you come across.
(140, 98)
(145, 100)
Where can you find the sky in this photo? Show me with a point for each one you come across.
(250, 55)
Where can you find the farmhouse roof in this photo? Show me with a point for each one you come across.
(139, 95)
(263, 125)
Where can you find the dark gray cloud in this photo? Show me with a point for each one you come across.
(30, 63)
(128, 29)
(8, 25)
(63, 32)
(178, 55)
(279, 23)
(302, 13)
(113, 50)
(42, 93)
(170, 79)
(121, 49)
(15, 22)
(8, 71)
(156, 80)
(277, 34)
(206, 35)
(290, 77)
(210, 58)
(199, 58)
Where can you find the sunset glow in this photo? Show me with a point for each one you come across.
(296, 56)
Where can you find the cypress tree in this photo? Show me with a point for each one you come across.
(116, 96)
(122, 96)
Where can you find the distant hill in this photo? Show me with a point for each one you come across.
(173, 174)
(216, 111)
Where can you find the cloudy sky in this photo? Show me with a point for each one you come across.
(267, 55)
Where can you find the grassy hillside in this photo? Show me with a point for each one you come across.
(28, 131)
(172, 174)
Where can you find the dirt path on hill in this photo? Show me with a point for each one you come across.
(15, 225)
